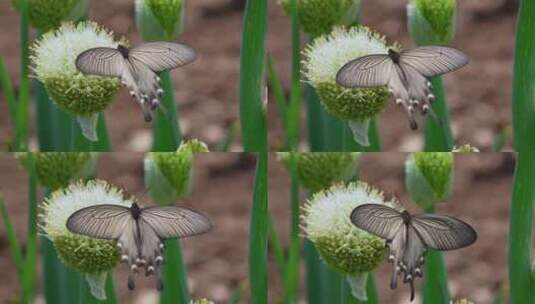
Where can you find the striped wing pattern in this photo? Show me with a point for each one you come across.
(100, 221)
(442, 232)
(433, 60)
(160, 56)
(173, 222)
(380, 220)
(365, 72)
(101, 61)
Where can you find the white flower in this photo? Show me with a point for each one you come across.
(327, 54)
(62, 203)
(55, 53)
(323, 59)
(54, 56)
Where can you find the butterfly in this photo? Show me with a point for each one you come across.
(139, 232)
(405, 73)
(410, 236)
(137, 68)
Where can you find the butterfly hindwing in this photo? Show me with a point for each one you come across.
(377, 219)
(175, 222)
(433, 60)
(365, 72)
(160, 56)
(442, 232)
(101, 61)
(100, 221)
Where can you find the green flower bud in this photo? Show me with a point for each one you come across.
(47, 15)
(319, 17)
(429, 177)
(54, 56)
(466, 148)
(56, 170)
(323, 59)
(168, 174)
(91, 257)
(160, 19)
(344, 247)
(432, 21)
(320, 170)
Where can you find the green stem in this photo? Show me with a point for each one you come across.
(438, 136)
(21, 119)
(43, 109)
(174, 273)
(521, 230)
(435, 288)
(292, 268)
(294, 109)
(315, 120)
(258, 235)
(166, 131)
(14, 246)
(524, 78)
(51, 269)
(7, 87)
(30, 262)
(314, 286)
(252, 110)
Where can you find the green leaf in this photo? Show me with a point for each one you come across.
(258, 235)
(252, 89)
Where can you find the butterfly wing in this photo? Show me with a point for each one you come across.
(100, 221)
(101, 61)
(442, 232)
(433, 60)
(413, 258)
(175, 222)
(377, 219)
(365, 72)
(160, 56)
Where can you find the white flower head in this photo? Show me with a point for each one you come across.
(323, 59)
(327, 54)
(54, 56)
(62, 203)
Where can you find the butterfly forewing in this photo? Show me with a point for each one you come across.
(377, 219)
(443, 232)
(160, 56)
(100, 221)
(101, 61)
(433, 60)
(367, 71)
(173, 222)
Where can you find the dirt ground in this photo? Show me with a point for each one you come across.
(481, 196)
(207, 91)
(216, 261)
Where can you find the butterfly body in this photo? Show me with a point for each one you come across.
(137, 68)
(410, 236)
(405, 73)
(140, 232)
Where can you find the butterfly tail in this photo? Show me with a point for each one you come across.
(394, 279)
(158, 277)
(131, 281)
(411, 282)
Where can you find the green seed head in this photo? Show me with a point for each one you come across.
(432, 21)
(318, 17)
(84, 254)
(323, 59)
(429, 177)
(326, 222)
(168, 174)
(160, 19)
(54, 56)
(56, 170)
(320, 170)
(47, 15)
